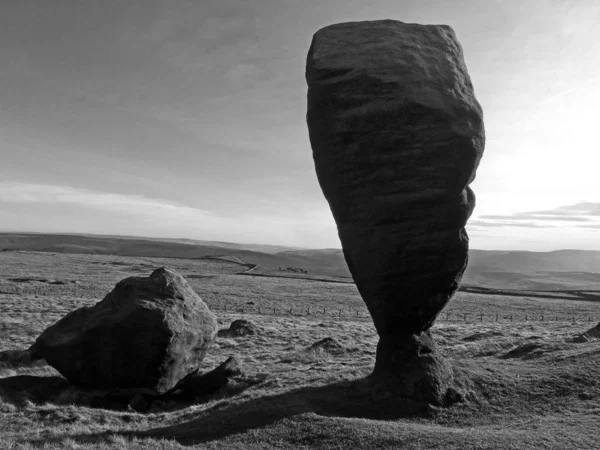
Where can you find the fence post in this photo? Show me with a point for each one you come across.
(308, 311)
(340, 313)
(525, 317)
(481, 317)
(511, 317)
(496, 317)
(357, 313)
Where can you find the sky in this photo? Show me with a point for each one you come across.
(186, 119)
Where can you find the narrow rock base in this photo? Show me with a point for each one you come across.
(413, 364)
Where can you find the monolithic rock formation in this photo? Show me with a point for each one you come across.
(397, 135)
(147, 334)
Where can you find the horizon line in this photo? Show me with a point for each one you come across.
(296, 247)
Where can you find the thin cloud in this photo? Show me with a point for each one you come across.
(130, 204)
(71, 209)
(536, 216)
(568, 91)
(578, 215)
(582, 208)
(490, 224)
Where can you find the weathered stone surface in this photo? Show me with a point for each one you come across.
(397, 135)
(147, 334)
(421, 372)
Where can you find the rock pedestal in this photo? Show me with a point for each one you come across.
(147, 335)
(397, 135)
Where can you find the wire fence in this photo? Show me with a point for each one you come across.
(518, 317)
(348, 313)
(361, 314)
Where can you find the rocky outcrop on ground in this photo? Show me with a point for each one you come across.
(239, 328)
(397, 135)
(593, 334)
(327, 345)
(147, 334)
(197, 384)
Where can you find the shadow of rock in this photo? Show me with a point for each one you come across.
(226, 380)
(20, 358)
(362, 398)
(22, 388)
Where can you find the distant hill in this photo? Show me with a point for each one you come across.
(326, 262)
(558, 260)
(44, 239)
(561, 269)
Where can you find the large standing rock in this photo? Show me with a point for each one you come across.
(148, 333)
(397, 135)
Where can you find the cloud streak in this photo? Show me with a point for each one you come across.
(72, 209)
(552, 98)
(128, 204)
(579, 215)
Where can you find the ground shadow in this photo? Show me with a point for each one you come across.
(360, 398)
(21, 389)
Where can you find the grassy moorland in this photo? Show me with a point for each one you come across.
(530, 384)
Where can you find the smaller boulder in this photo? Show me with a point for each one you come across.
(195, 384)
(327, 345)
(147, 334)
(592, 334)
(239, 328)
(140, 403)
